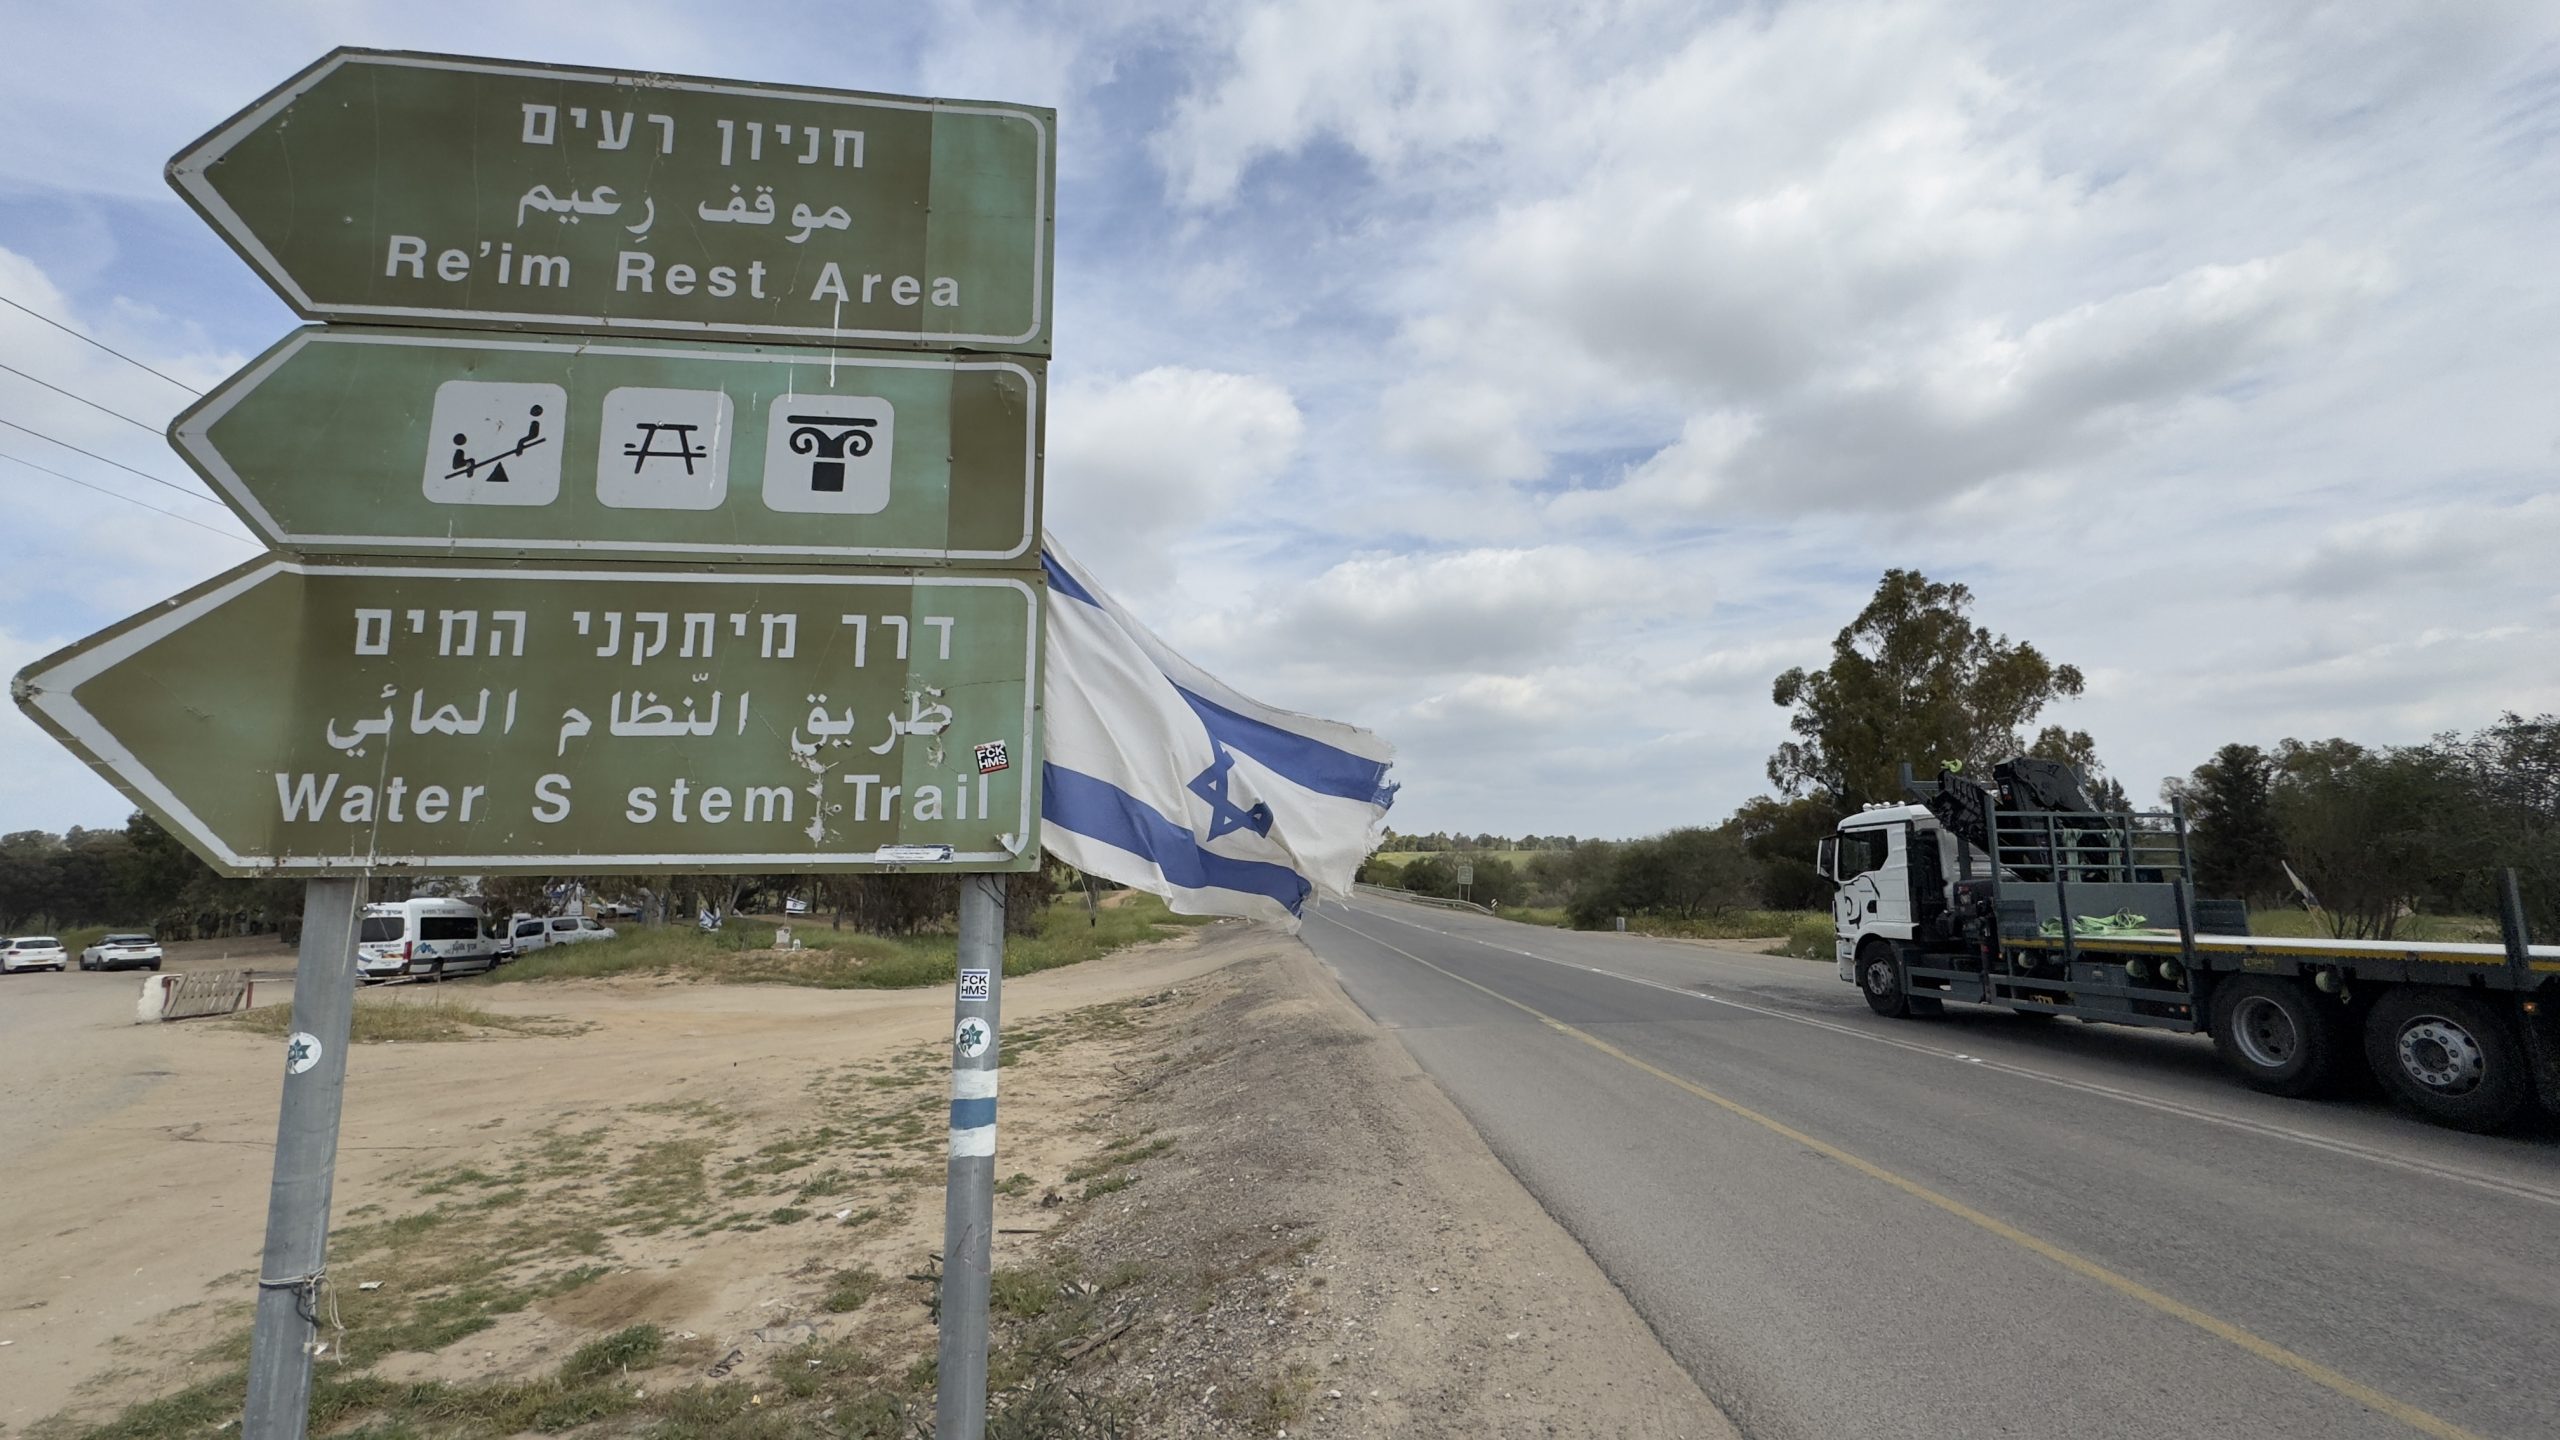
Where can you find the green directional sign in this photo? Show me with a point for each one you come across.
(443, 190)
(350, 439)
(299, 717)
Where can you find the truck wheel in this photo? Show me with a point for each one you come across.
(1880, 980)
(2275, 1036)
(2449, 1056)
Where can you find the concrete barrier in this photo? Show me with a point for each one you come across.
(185, 997)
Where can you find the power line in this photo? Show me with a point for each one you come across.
(101, 344)
(103, 460)
(129, 500)
(83, 399)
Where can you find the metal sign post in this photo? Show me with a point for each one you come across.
(625, 304)
(285, 1336)
(969, 1195)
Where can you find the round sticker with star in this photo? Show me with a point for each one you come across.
(301, 1052)
(973, 1038)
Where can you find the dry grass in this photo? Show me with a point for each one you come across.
(400, 1019)
(742, 954)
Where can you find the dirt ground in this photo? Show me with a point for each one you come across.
(1235, 1208)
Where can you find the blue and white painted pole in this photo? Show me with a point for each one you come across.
(969, 1196)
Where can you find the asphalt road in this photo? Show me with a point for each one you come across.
(1976, 1225)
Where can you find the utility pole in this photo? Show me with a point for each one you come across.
(284, 1339)
(969, 1197)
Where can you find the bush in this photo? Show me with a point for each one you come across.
(1810, 938)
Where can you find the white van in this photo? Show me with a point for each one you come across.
(423, 937)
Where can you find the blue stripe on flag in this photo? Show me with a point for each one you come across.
(1299, 759)
(970, 1114)
(1062, 583)
(1078, 802)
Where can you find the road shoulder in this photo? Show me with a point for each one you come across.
(1399, 1280)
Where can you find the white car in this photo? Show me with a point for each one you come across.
(531, 932)
(131, 950)
(33, 952)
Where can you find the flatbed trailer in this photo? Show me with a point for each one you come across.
(1987, 895)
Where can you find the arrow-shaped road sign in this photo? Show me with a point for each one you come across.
(292, 717)
(415, 442)
(443, 190)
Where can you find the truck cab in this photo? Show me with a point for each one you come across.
(1887, 866)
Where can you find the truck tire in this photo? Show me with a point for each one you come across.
(2276, 1036)
(2449, 1056)
(1880, 980)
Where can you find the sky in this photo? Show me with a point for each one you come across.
(1533, 383)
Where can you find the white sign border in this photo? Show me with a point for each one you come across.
(187, 173)
(51, 688)
(192, 435)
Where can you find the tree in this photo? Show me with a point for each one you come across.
(1781, 835)
(1911, 679)
(1558, 876)
(1683, 874)
(2232, 839)
(1432, 874)
(2377, 833)
(1384, 873)
(2075, 749)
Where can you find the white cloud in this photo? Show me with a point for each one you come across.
(1135, 464)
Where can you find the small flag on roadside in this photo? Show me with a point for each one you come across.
(1157, 775)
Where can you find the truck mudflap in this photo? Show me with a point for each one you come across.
(2538, 1016)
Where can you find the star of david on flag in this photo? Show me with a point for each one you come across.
(1157, 775)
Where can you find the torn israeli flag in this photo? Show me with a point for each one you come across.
(1158, 776)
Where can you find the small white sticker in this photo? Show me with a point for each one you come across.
(302, 1050)
(973, 1038)
(912, 854)
(975, 984)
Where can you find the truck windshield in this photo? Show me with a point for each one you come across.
(378, 930)
(1861, 851)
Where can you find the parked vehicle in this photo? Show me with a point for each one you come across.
(2023, 894)
(423, 937)
(528, 933)
(130, 951)
(33, 952)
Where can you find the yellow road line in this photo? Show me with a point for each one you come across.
(2132, 1289)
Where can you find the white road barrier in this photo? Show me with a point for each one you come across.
(183, 997)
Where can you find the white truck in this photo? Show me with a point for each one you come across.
(423, 937)
(2022, 894)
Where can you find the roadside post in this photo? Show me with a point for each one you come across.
(969, 1195)
(285, 1337)
(769, 363)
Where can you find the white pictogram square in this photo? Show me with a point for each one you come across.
(495, 443)
(664, 449)
(828, 454)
